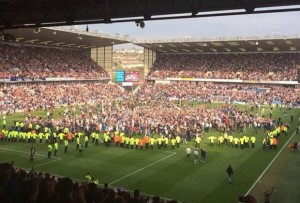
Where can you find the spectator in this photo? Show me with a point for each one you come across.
(3, 183)
(229, 172)
(36, 63)
(262, 66)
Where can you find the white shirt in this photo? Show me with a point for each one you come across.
(196, 153)
(188, 151)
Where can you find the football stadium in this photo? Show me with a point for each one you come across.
(206, 120)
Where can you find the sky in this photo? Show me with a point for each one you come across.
(225, 26)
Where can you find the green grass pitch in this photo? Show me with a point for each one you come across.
(169, 174)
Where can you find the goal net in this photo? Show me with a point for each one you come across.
(220, 99)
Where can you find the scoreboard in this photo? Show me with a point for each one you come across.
(132, 76)
(127, 76)
(120, 76)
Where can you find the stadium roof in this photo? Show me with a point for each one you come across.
(225, 45)
(71, 37)
(42, 13)
(68, 37)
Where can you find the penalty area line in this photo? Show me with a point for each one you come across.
(48, 162)
(19, 151)
(263, 173)
(149, 165)
(41, 155)
(165, 151)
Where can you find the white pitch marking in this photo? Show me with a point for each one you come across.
(42, 155)
(269, 165)
(159, 150)
(23, 152)
(142, 168)
(42, 164)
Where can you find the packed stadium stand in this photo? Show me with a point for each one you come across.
(30, 63)
(259, 66)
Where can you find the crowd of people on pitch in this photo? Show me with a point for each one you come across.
(20, 186)
(271, 139)
(32, 97)
(102, 121)
(65, 136)
(30, 63)
(41, 96)
(215, 92)
(112, 110)
(274, 130)
(259, 66)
